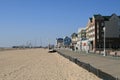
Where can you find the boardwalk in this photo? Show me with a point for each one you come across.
(38, 64)
(110, 65)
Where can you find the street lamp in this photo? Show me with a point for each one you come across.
(104, 54)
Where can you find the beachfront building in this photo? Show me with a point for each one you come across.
(59, 42)
(81, 37)
(67, 42)
(74, 38)
(95, 32)
(82, 33)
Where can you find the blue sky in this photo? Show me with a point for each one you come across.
(42, 21)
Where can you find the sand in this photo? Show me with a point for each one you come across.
(38, 64)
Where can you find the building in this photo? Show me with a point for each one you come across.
(74, 38)
(82, 33)
(67, 41)
(81, 36)
(95, 32)
(85, 45)
(59, 42)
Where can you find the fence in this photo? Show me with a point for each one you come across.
(88, 67)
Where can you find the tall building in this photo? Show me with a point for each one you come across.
(95, 32)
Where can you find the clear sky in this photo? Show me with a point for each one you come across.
(42, 21)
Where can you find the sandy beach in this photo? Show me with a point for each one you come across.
(38, 64)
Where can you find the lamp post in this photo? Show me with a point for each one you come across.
(104, 54)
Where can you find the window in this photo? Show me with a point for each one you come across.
(97, 36)
(102, 24)
(119, 23)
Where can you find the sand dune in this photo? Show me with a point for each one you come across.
(38, 64)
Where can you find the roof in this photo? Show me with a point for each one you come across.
(106, 18)
(97, 15)
(59, 38)
(74, 35)
(90, 19)
(66, 37)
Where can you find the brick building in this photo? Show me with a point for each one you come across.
(95, 32)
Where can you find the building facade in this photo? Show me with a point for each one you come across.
(67, 42)
(74, 38)
(95, 32)
(81, 37)
(59, 42)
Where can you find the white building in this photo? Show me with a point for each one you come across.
(81, 37)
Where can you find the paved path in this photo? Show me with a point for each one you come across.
(110, 65)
